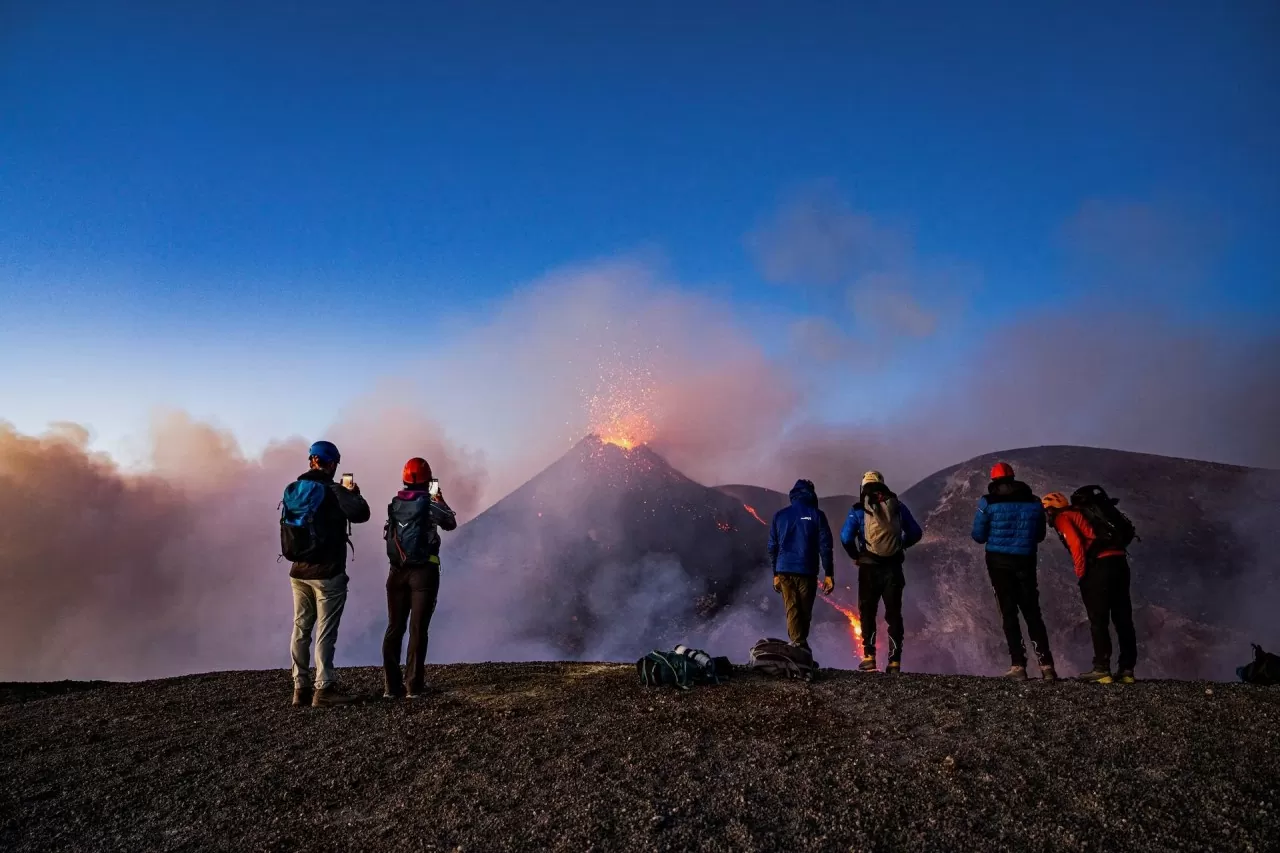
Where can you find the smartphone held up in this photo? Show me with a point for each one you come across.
(348, 481)
(433, 487)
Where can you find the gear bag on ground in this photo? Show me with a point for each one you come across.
(1265, 668)
(682, 667)
(780, 659)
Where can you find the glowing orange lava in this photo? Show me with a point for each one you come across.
(855, 626)
(754, 514)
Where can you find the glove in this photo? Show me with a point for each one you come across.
(777, 584)
(828, 584)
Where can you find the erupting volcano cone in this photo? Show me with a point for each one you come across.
(611, 551)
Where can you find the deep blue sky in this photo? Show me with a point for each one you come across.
(183, 186)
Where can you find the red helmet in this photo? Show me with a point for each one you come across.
(416, 471)
(1001, 470)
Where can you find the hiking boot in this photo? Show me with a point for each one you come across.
(1097, 676)
(894, 668)
(328, 697)
(391, 695)
(868, 664)
(301, 696)
(1016, 673)
(1125, 676)
(1048, 673)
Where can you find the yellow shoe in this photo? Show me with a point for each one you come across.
(894, 668)
(1096, 676)
(868, 664)
(1125, 676)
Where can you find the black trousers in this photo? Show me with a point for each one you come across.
(876, 583)
(411, 600)
(1105, 590)
(1013, 577)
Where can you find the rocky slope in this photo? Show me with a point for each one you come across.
(577, 757)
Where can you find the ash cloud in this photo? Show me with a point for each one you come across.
(116, 575)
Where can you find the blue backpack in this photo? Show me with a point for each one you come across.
(302, 540)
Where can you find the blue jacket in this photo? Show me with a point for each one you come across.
(800, 537)
(1010, 519)
(855, 543)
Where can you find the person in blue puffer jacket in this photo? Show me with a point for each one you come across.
(799, 543)
(1010, 521)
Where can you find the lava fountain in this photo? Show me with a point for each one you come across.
(620, 407)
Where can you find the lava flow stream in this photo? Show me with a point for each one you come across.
(855, 625)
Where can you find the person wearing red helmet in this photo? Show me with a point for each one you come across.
(1010, 522)
(414, 518)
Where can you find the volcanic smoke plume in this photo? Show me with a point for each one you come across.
(109, 574)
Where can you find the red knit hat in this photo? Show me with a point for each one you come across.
(1001, 470)
(416, 471)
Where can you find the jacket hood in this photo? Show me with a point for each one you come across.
(1008, 487)
(803, 493)
(317, 475)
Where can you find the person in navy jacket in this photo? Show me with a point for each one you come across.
(1010, 521)
(799, 543)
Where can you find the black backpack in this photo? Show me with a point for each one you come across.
(1265, 668)
(780, 659)
(410, 532)
(683, 667)
(1112, 529)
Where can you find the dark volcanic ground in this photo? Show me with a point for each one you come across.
(577, 757)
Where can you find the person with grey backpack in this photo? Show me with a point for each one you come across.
(876, 535)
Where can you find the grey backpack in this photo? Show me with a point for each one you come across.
(882, 524)
(780, 659)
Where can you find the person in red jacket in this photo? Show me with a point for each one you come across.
(1104, 586)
